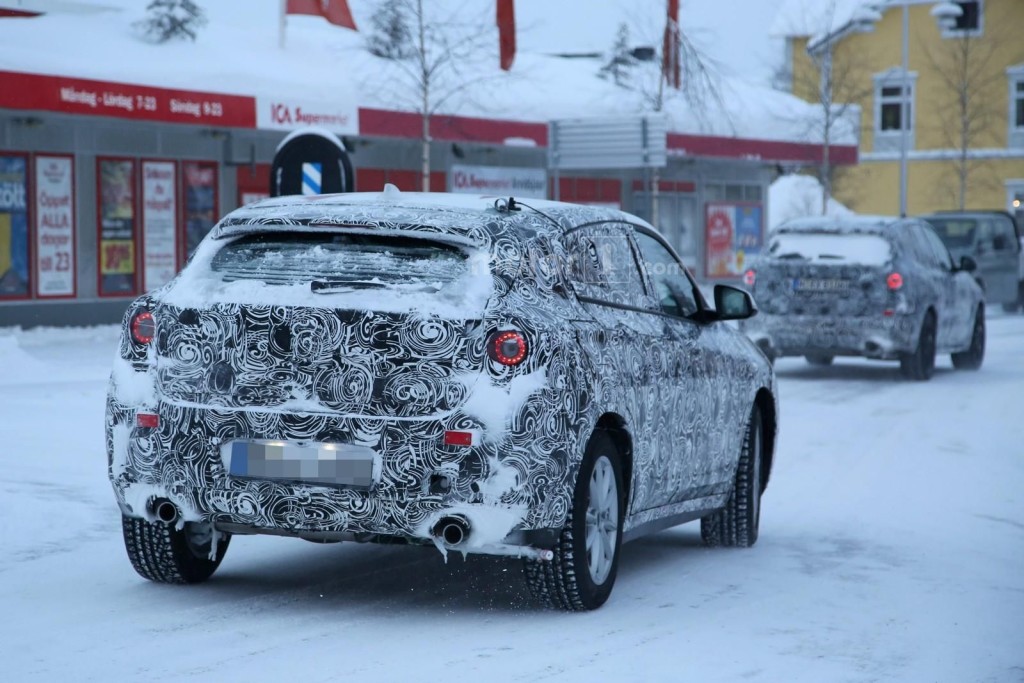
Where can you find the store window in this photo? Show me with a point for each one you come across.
(116, 227)
(54, 191)
(159, 222)
(15, 279)
(199, 202)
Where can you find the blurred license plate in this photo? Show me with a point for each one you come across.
(329, 464)
(820, 285)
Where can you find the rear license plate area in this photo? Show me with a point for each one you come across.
(320, 464)
(820, 285)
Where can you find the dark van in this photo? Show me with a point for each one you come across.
(992, 239)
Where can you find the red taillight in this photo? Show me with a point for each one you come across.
(894, 281)
(750, 277)
(143, 327)
(507, 348)
(147, 420)
(452, 438)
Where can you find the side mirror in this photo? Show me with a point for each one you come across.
(968, 264)
(732, 303)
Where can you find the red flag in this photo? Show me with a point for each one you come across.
(506, 33)
(334, 11)
(670, 50)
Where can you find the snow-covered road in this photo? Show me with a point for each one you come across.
(891, 549)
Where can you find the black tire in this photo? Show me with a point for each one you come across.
(974, 356)
(920, 365)
(736, 525)
(160, 552)
(566, 582)
(1017, 305)
(819, 359)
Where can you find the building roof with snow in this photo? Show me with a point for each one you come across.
(239, 54)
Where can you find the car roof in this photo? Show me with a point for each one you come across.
(978, 213)
(872, 225)
(476, 217)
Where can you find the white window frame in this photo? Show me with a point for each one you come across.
(969, 33)
(889, 140)
(1015, 76)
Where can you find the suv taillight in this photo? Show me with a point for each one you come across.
(143, 327)
(750, 277)
(507, 347)
(894, 281)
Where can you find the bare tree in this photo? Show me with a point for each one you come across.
(389, 36)
(431, 59)
(621, 60)
(168, 19)
(969, 110)
(836, 83)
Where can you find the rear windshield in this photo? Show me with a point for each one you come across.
(956, 233)
(331, 262)
(868, 250)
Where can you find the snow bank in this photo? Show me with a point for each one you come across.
(18, 366)
(797, 196)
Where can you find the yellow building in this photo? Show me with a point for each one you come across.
(964, 108)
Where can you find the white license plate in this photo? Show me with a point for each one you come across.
(820, 285)
(327, 464)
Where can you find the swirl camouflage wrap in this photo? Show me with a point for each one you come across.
(454, 357)
(860, 286)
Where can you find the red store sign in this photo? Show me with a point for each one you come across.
(100, 98)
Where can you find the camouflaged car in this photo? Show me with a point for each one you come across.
(543, 382)
(871, 286)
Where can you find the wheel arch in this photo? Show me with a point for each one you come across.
(614, 425)
(765, 403)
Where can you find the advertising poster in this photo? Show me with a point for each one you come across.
(159, 224)
(199, 179)
(14, 269)
(55, 226)
(117, 226)
(733, 236)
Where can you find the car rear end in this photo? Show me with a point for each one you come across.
(333, 383)
(824, 291)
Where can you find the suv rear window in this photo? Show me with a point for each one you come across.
(331, 262)
(955, 233)
(867, 250)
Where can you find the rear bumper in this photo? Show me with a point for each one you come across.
(879, 337)
(504, 487)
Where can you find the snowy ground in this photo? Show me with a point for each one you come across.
(892, 549)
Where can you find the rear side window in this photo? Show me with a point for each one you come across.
(955, 233)
(820, 247)
(339, 261)
(602, 265)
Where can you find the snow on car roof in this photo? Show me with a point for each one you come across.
(462, 214)
(841, 224)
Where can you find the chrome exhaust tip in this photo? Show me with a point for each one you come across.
(452, 530)
(165, 510)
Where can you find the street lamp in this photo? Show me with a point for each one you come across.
(945, 15)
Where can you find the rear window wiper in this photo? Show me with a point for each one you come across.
(792, 255)
(832, 256)
(332, 286)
